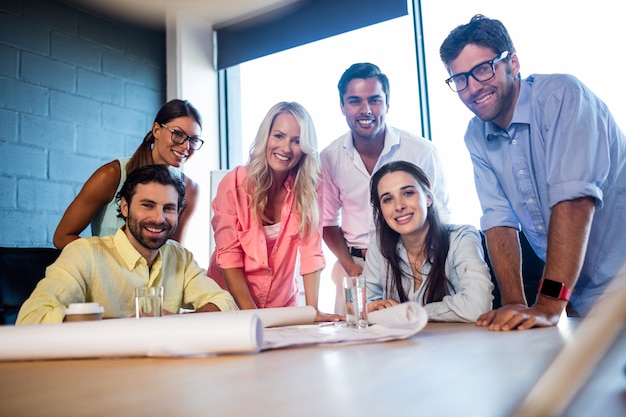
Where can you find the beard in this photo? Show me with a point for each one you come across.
(137, 229)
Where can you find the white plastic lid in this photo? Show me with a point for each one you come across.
(84, 308)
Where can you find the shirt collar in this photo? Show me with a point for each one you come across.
(522, 107)
(127, 251)
(521, 114)
(392, 138)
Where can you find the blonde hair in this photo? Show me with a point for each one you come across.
(307, 172)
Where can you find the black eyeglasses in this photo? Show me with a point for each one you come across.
(481, 73)
(179, 137)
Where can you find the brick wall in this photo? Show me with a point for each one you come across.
(77, 89)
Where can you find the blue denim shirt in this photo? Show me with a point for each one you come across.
(562, 143)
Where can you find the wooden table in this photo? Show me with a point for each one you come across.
(445, 370)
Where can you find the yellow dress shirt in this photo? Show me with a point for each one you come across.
(107, 270)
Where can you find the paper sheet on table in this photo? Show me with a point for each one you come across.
(398, 322)
(198, 334)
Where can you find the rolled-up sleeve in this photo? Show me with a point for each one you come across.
(201, 290)
(311, 255)
(576, 166)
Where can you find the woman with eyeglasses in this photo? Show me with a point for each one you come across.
(173, 139)
(267, 213)
(415, 256)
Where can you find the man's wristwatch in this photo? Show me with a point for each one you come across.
(554, 289)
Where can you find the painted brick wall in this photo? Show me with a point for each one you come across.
(77, 89)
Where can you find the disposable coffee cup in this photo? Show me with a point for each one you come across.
(83, 312)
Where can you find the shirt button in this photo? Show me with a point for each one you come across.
(514, 142)
(539, 227)
(530, 201)
(521, 172)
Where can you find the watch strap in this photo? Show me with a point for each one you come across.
(554, 289)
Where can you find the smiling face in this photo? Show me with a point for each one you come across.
(151, 217)
(492, 100)
(365, 107)
(283, 150)
(403, 203)
(167, 152)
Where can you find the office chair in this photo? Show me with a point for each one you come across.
(20, 271)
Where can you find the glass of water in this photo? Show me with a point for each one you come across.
(148, 302)
(356, 301)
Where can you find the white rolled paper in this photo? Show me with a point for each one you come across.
(409, 314)
(198, 334)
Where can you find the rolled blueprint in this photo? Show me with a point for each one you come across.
(198, 334)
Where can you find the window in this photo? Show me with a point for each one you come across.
(581, 46)
(309, 74)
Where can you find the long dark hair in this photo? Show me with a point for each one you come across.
(437, 241)
(171, 110)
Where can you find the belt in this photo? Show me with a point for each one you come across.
(357, 252)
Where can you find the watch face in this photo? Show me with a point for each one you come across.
(551, 288)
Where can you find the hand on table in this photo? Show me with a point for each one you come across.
(380, 305)
(322, 317)
(517, 317)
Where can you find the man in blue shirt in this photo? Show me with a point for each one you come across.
(549, 159)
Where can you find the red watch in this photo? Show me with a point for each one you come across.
(554, 289)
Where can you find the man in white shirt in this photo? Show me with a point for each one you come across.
(349, 162)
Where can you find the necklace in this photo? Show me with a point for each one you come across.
(416, 268)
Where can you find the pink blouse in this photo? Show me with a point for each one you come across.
(241, 243)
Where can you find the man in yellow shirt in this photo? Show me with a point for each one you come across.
(107, 269)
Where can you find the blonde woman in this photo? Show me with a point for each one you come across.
(267, 211)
